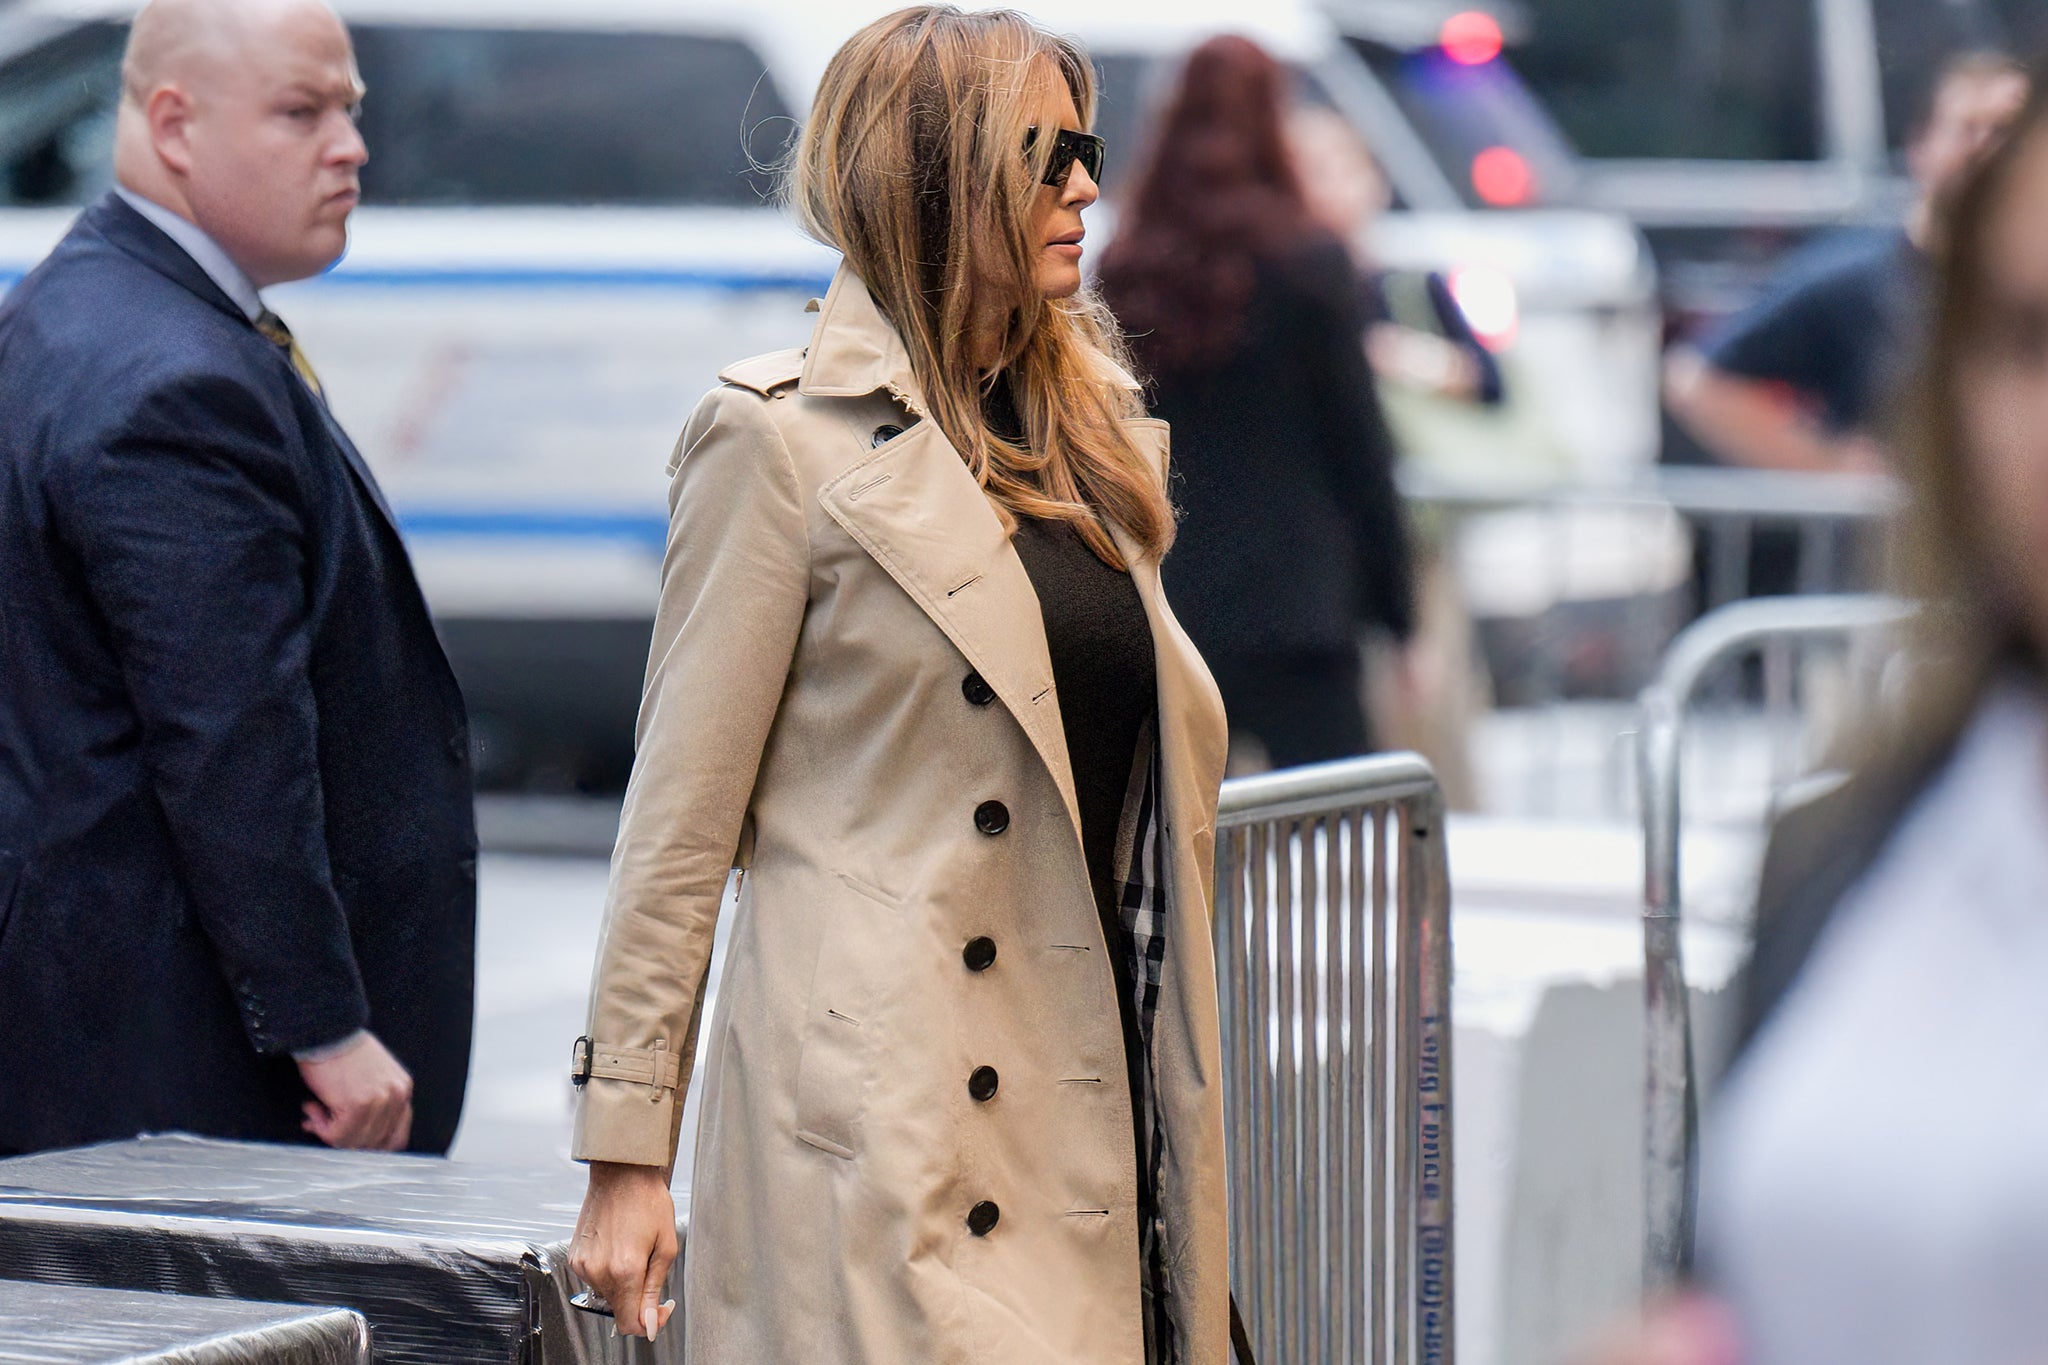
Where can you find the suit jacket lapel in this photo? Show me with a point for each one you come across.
(919, 514)
(356, 462)
(128, 230)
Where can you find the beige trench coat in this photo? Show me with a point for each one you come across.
(829, 590)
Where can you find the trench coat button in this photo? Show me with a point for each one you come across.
(884, 434)
(982, 1084)
(976, 689)
(991, 817)
(983, 1217)
(979, 954)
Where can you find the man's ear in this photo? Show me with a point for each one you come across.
(169, 112)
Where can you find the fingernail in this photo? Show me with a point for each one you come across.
(651, 1321)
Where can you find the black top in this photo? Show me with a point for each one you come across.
(1836, 326)
(1104, 675)
(1103, 670)
(1291, 534)
(235, 808)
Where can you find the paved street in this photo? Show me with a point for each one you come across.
(537, 934)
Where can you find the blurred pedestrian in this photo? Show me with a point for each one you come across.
(913, 671)
(1871, 1183)
(1802, 379)
(1416, 335)
(1247, 313)
(237, 848)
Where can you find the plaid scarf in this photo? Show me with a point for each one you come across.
(1143, 905)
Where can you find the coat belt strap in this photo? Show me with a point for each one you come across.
(655, 1066)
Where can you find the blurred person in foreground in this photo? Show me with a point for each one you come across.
(1874, 1173)
(913, 669)
(237, 848)
(1247, 314)
(1804, 378)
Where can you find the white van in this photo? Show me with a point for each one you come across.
(564, 235)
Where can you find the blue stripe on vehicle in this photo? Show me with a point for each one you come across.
(722, 281)
(645, 530)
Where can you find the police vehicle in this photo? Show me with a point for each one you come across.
(565, 232)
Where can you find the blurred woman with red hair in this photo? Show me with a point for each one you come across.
(1248, 316)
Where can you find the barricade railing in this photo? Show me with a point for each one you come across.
(1575, 591)
(1334, 968)
(1777, 630)
(1820, 515)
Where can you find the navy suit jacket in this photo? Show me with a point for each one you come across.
(235, 799)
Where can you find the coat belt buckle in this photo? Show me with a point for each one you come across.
(581, 1061)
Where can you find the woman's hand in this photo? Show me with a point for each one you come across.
(626, 1242)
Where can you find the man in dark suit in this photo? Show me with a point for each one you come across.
(237, 846)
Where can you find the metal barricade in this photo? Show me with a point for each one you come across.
(1334, 967)
(1773, 628)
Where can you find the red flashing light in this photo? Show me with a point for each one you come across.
(1471, 38)
(1502, 178)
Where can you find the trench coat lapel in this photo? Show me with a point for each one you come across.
(1194, 738)
(913, 506)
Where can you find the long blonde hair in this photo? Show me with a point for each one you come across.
(913, 165)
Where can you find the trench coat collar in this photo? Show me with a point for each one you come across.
(915, 508)
(918, 512)
(855, 350)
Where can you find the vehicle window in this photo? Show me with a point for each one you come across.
(481, 116)
(1122, 94)
(1915, 37)
(57, 103)
(1712, 79)
(1491, 138)
(457, 116)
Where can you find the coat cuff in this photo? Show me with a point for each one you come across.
(625, 1121)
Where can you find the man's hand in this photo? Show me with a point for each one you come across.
(362, 1098)
(626, 1242)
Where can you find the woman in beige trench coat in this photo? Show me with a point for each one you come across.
(962, 1093)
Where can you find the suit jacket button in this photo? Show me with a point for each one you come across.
(982, 1084)
(884, 434)
(991, 817)
(983, 1217)
(976, 689)
(979, 954)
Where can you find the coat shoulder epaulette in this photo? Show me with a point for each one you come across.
(764, 374)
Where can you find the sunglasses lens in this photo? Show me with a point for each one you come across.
(1071, 147)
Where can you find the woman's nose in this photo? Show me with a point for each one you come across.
(1080, 189)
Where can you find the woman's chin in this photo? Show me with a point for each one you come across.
(1060, 281)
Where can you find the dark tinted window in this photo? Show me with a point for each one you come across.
(1491, 138)
(57, 104)
(468, 116)
(1122, 92)
(1720, 79)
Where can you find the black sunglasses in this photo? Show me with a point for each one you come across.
(1069, 147)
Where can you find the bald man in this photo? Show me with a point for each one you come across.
(237, 848)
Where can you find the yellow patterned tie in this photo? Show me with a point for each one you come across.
(273, 328)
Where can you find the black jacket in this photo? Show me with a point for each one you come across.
(1292, 535)
(235, 799)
